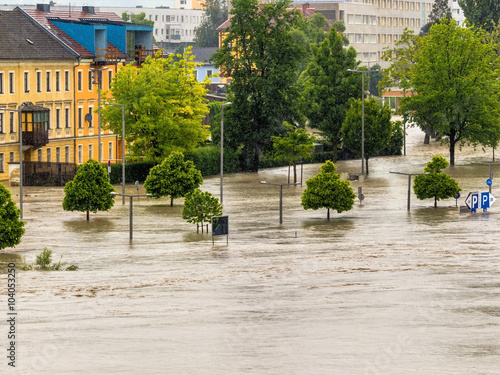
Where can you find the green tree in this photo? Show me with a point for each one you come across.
(327, 190)
(174, 177)
(375, 76)
(261, 59)
(435, 184)
(328, 87)
(11, 226)
(164, 106)
(378, 129)
(440, 10)
(481, 13)
(139, 19)
(90, 189)
(215, 13)
(456, 78)
(200, 206)
(295, 146)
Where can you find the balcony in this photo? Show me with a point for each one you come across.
(106, 56)
(36, 139)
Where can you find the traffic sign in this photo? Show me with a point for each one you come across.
(477, 200)
(489, 182)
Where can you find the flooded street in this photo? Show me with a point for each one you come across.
(375, 290)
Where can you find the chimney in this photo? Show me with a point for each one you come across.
(43, 7)
(88, 9)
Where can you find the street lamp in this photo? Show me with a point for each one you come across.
(409, 182)
(222, 146)
(131, 207)
(123, 148)
(97, 79)
(39, 119)
(281, 195)
(363, 72)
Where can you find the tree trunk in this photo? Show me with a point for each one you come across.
(88, 215)
(328, 214)
(435, 202)
(334, 151)
(427, 136)
(294, 173)
(288, 173)
(171, 202)
(452, 153)
(202, 231)
(255, 159)
(366, 164)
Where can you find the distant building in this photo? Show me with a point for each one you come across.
(202, 55)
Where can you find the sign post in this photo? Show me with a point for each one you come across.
(477, 200)
(220, 227)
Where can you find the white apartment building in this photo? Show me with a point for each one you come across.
(457, 13)
(374, 25)
(172, 26)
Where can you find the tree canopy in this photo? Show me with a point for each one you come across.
(174, 177)
(435, 184)
(139, 19)
(327, 190)
(164, 106)
(481, 13)
(90, 189)
(440, 10)
(11, 226)
(378, 129)
(215, 13)
(328, 87)
(261, 60)
(200, 206)
(456, 77)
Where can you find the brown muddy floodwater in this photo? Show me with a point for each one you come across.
(376, 290)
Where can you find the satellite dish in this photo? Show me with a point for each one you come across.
(88, 117)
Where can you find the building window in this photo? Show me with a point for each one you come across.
(209, 72)
(66, 154)
(1, 124)
(11, 157)
(11, 83)
(80, 118)
(66, 117)
(80, 80)
(110, 78)
(80, 154)
(58, 81)
(40, 156)
(48, 84)
(66, 80)
(58, 118)
(12, 128)
(38, 81)
(1, 83)
(91, 151)
(90, 117)
(110, 150)
(90, 80)
(49, 155)
(26, 82)
(2, 163)
(58, 154)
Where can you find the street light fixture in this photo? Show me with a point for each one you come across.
(131, 226)
(222, 147)
(281, 194)
(97, 79)
(363, 72)
(123, 148)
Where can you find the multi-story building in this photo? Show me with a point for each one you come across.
(61, 60)
(172, 26)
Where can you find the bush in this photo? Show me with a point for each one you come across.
(207, 160)
(43, 262)
(134, 171)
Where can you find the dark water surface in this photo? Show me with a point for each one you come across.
(376, 290)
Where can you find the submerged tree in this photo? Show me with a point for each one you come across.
(174, 177)
(11, 226)
(435, 184)
(200, 207)
(90, 189)
(327, 190)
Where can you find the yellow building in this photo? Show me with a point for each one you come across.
(53, 59)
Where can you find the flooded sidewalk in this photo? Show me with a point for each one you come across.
(375, 290)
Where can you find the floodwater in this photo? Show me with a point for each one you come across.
(376, 290)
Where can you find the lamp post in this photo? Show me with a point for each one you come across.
(281, 195)
(222, 147)
(131, 225)
(123, 148)
(409, 183)
(97, 79)
(39, 115)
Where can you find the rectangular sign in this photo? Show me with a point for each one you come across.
(220, 226)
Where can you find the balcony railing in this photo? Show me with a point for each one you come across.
(37, 138)
(107, 56)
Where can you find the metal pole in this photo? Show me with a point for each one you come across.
(99, 78)
(491, 177)
(404, 120)
(221, 150)
(123, 154)
(131, 220)
(281, 204)
(21, 162)
(363, 123)
(409, 191)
